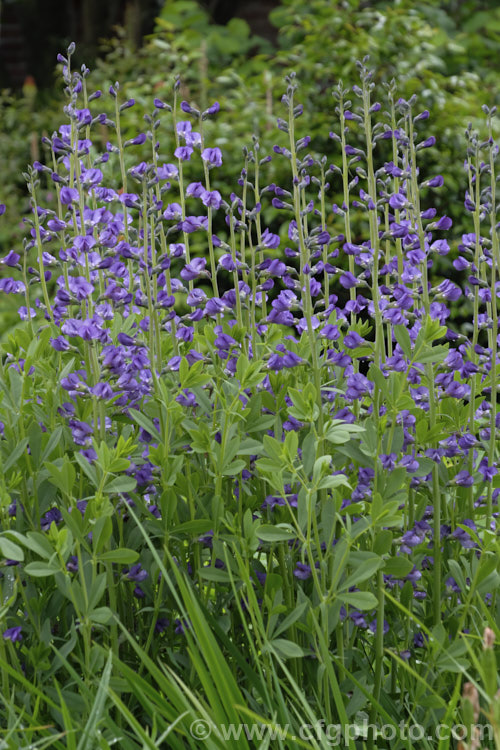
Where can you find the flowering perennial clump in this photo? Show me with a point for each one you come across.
(258, 390)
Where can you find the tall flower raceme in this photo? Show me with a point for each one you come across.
(272, 389)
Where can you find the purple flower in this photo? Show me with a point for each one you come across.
(68, 195)
(409, 463)
(397, 201)
(166, 171)
(463, 537)
(227, 263)
(136, 573)
(276, 268)
(162, 624)
(196, 297)
(348, 280)
(388, 460)
(79, 287)
(435, 182)
(444, 223)
(192, 223)
(183, 153)
(72, 564)
(173, 211)
(427, 143)
(487, 471)
(101, 390)
(357, 386)
(11, 259)
(213, 156)
(373, 626)
(212, 110)
(187, 398)
(270, 240)
(81, 431)
(353, 340)
(211, 199)
(137, 141)
(60, 344)
(194, 269)
(53, 515)
(13, 634)
(449, 290)
(302, 571)
(463, 478)
(330, 332)
(195, 189)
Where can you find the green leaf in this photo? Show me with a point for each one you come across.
(249, 447)
(215, 574)
(96, 591)
(336, 480)
(403, 339)
(234, 468)
(286, 649)
(399, 567)
(321, 467)
(15, 454)
(364, 569)
(269, 533)
(376, 375)
(52, 442)
(97, 714)
(383, 542)
(309, 451)
(395, 480)
(269, 465)
(62, 477)
(121, 484)
(101, 533)
(196, 527)
(146, 423)
(87, 468)
(101, 615)
(10, 550)
(35, 541)
(121, 555)
(289, 620)
(360, 599)
(41, 570)
(431, 354)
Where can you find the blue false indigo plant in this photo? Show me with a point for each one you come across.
(245, 410)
